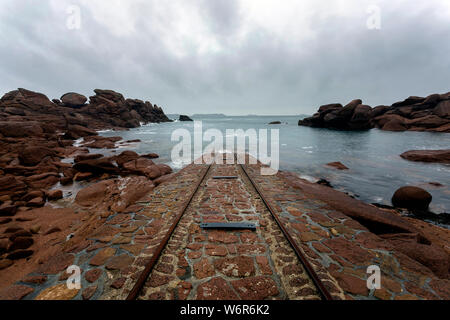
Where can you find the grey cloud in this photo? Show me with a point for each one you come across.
(264, 74)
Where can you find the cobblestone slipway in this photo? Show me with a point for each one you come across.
(202, 264)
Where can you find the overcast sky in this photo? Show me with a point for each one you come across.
(228, 56)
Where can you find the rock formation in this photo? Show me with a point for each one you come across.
(185, 118)
(413, 198)
(415, 114)
(437, 156)
(36, 134)
(106, 109)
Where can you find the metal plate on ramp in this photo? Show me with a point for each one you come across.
(225, 177)
(220, 225)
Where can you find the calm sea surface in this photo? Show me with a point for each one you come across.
(376, 169)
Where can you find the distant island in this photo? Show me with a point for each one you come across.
(209, 115)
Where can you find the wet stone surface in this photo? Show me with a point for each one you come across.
(340, 249)
(228, 264)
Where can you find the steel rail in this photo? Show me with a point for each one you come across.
(151, 264)
(309, 269)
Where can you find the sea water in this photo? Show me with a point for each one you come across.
(376, 169)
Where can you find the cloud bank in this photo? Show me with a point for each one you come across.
(228, 56)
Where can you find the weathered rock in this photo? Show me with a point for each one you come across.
(119, 262)
(97, 166)
(20, 233)
(76, 131)
(437, 156)
(5, 220)
(81, 176)
(429, 121)
(5, 263)
(19, 254)
(4, 245)
(431, 256)
(165, 169)
(379, 221)
(16, 129)
(15, 292)
(216, 289)
(7, 210)
(378, 111)
(203, 269)
(337, 165)
(143, 166)
(36, 202)
(394, 125)
(163, 179)
(93, 194)
(413, 198)
(348, 110)
(55, 195)
(97, 142)
(31, 156)
(21, 243)
(125, 157)
(73, 100)
(235, 267)
(257, 288)
(361, 117)
(58, 292)
(414, 113)
(89, 156)
(185, 118)
(33, 195)
(409, 101)
(89, 292)
(442, 109)
(92, 275)
(150, 156)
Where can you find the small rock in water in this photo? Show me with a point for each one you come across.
(185, 118)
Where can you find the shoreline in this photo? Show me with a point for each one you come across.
(38, 240)
(95, 209)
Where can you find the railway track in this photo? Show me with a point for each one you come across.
(213, 250)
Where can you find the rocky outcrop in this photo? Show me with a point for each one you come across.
(185, 118)
(36, 134)
(414, 113)
(73, 100)
(106, 109)
(437, 156)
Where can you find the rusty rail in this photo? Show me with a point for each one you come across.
(309, 269)
(151, 264)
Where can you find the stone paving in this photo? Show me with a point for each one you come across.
(340, 249)
(203, 264)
